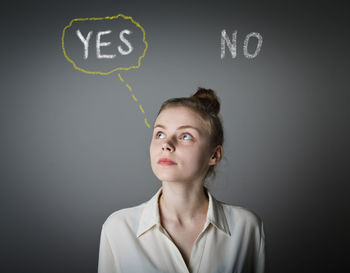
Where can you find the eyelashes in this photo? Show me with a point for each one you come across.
(188, 136)
(157, 134)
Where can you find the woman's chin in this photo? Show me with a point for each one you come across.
(168, 177)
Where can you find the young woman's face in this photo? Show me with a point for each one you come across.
(180, 148)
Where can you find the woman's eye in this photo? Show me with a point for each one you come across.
(186, 137)
(159, 135)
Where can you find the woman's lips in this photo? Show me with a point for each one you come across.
(166, 161)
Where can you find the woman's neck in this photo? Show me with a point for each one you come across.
(183, 203)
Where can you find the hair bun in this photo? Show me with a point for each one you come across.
(208, 99)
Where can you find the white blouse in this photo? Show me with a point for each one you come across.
(133, 241)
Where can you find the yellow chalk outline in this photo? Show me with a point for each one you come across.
(120, 78)
(146, 122)
(140, 106)
(105, 18)
(134, 98)
(128, 86)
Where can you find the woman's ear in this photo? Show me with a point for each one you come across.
(216, 156)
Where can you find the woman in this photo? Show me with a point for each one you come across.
(183, 228)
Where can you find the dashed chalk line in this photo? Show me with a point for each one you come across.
(134, 98)
(128, 86)
(120, 78)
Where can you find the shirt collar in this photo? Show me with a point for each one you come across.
(150, 214)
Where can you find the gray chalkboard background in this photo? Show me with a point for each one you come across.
(75, 148)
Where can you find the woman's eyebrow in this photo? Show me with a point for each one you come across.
(179, 128)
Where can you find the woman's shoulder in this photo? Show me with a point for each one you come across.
(126, 216)
(240, 215)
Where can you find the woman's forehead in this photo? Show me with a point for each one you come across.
(179, 116)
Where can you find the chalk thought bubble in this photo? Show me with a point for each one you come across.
(104, 45)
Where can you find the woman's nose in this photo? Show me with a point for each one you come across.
(167, 146)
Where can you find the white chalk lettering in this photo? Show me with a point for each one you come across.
(126, 42)
(258, 47)
(85, 42)
(99, 45)
(231, 45)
